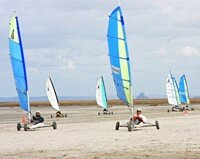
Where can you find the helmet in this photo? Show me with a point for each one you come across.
(139, 109)
(37, 112)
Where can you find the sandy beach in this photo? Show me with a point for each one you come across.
(84, 134)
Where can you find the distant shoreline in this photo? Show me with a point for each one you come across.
(149, 102)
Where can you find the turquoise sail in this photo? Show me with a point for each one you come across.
(101, 96)
(183, 91)
(119, 56)
(18, 64)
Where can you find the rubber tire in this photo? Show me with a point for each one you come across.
(54, 125)
(19, 126)
(25, 127)
(117, 125)
(192, 109)
(51, 116)
(168, 111)
(129, 126)
(98, 113)
(112, 113)
(157, 125)
(65, 115)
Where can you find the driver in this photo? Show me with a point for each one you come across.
(59, 114)
(138, 117)
(37, 118)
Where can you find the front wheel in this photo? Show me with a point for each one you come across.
(25, 127)
(98, 113)
(129, 126)
(192, 109)
(65, 115)
(117, 125)
(157, 125)
(54, 124)
(19, 126)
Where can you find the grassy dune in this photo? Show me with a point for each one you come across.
(150, 102)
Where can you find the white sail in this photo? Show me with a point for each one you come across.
(172, 90)
(101, 97)
(51, 94)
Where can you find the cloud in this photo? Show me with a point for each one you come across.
(161, 51)
(189, 51)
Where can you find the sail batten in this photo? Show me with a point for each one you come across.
(51, 94)
(119, 56)
(101, 96)
(18, 64)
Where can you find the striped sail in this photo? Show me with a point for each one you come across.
(183, 90)
(51, 94)
(101, 97)
(119, 56)
(172, 90)
(18, 64)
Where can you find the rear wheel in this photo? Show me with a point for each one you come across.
(157, 125)
(112, 113)
(98, 113)
(192, 109)
(65, 115)
(129, 126)
(117, 125)
(19, 126)
(54, 124)
(168, 110)
(25, 127)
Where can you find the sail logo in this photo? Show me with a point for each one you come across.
(115, 70)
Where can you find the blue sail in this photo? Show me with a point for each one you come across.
(18, 64)
(119, 56)
(183, 91)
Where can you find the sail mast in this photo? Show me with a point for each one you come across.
(119, 3)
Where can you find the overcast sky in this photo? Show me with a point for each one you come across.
(66, 40)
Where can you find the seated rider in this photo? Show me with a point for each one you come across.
(37, 118)
(105, 110)
(138, 117)
(59, 114)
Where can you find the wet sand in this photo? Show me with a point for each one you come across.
(84, 134)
